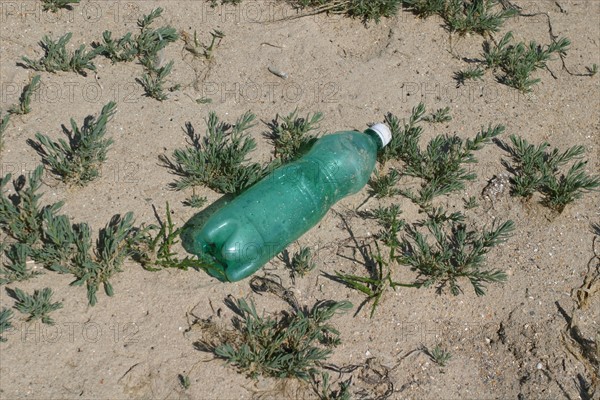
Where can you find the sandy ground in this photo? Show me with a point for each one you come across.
(515, 342)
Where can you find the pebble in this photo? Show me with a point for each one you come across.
(539, 366)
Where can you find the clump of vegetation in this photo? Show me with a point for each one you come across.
(16, 269)
(78, 162)
(457, 253)
(38, 305)
(535, 168)
(5, 317)
(475, 73)
(68, 248)
(464, 16)
(95, 268)
(21, 215)
(478, 16)
(325, 391)
(153, 81)
(439, 355)
(292, 346)
(195, 201)
(147, 47)
(470, 203)
(199, 49)
(440, 165)
(215, 3)
(59, 240)
(302, 262)
(217, 160)
(25, 100)
(378, 281)
(156, 251)
(519, 61)
(51, 240)
(184, 381)
(58, 58)
(440, 115)
(292, 135)
(117, 50)
(55, 5)
(3, 124)
(366, 10)
(388, 218)
(384, 185)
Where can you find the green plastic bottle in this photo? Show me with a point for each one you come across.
(247, 231)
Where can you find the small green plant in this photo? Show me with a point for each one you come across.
(387, 217)
(457, 253)
(150, 42)
(110, 252)
(302, 262)
(593, 70)
(38, 305)
(58, 58)
(5, 317)
(195, 201)
(519, 61)
(204, 100)
(440, 165)
(535, 168)
(292, 135)
(55, 5)
(465, 16)
(219, 159)
(365, 10)
(117, 50)
(25, 99)
(290, 347)
(560, 191)
(197, 48)
(439, 355)
(384, 185)
(324, 390)
(475, 73)
(403, 136)
(470, 203)
(215, 3)
(16, 270)
(147, 47)
(156, 251)
(79, 161)
(375, 285)
(59, 240)
(3, 124)
(21, 215)
(440, 216)
(184, 381)
(153, 82)
(426, 8)
(440, 115)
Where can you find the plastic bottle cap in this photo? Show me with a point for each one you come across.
(383, 132)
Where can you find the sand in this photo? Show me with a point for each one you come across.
(515, 342)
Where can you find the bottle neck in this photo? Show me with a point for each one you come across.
(371, 133)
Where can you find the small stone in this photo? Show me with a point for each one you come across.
(539, 365)
(495, 187)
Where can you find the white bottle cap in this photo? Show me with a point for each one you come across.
(383, 132)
